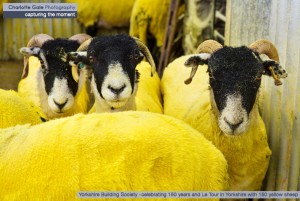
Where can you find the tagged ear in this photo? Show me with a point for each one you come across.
(274, 69)
(75, 57)
(77, 60)
(194, 61)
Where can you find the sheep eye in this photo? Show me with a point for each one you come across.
(92, 60)
(138, 56)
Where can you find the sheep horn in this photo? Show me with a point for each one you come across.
(38, 40)
(82, 39)
(264, 46)
(84, 45)
(35, 41)
(208, 46)
(147, 54)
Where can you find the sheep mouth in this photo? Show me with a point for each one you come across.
(117, 103)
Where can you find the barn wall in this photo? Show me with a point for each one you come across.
(279, 22)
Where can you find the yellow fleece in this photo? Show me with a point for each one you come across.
(15, 110)
(124, 151)
(108, 14)
(28, 87)
(247, 155)
(149, 16)
(148, 97)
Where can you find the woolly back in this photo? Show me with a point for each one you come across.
(125, 151)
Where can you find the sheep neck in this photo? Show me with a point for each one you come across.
(247, 154)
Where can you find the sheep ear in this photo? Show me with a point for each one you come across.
(274, 69)
(194, 61)
(30, 51)
(27, 52)
(197, 59)
(75, 58)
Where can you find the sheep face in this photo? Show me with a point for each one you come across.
(234, 77)
(113, 61)
(60, 87)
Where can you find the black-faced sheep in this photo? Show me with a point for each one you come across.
(113, 61)
(221, 102)
(50, 83)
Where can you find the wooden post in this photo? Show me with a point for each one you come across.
(169, 36)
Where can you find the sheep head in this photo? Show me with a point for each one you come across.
(112, 61)
(59, 84)
(235, 77)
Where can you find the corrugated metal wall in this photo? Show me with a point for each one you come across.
(278, 21)
(15, 33)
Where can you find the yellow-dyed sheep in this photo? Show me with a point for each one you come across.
(50, 83)
(149, 17)
(16, 110)
(112, 65)
(115, 13)
(125, 151)
(221, 102)
(29, 88)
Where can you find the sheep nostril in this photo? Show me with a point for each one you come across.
(117, 90)
(60, 105)
(233, 126)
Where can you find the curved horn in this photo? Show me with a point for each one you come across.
(80, 37)
(209, 46)
(144, 49)
(264, 46)
(38, 40)
(35, 41)
(84, 45)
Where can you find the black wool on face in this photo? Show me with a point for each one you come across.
(106, 50)
(52, 51)
(235, 71)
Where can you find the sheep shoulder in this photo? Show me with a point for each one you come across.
(190, 103)
(85, 152)
(27, 87)
(148, 96)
